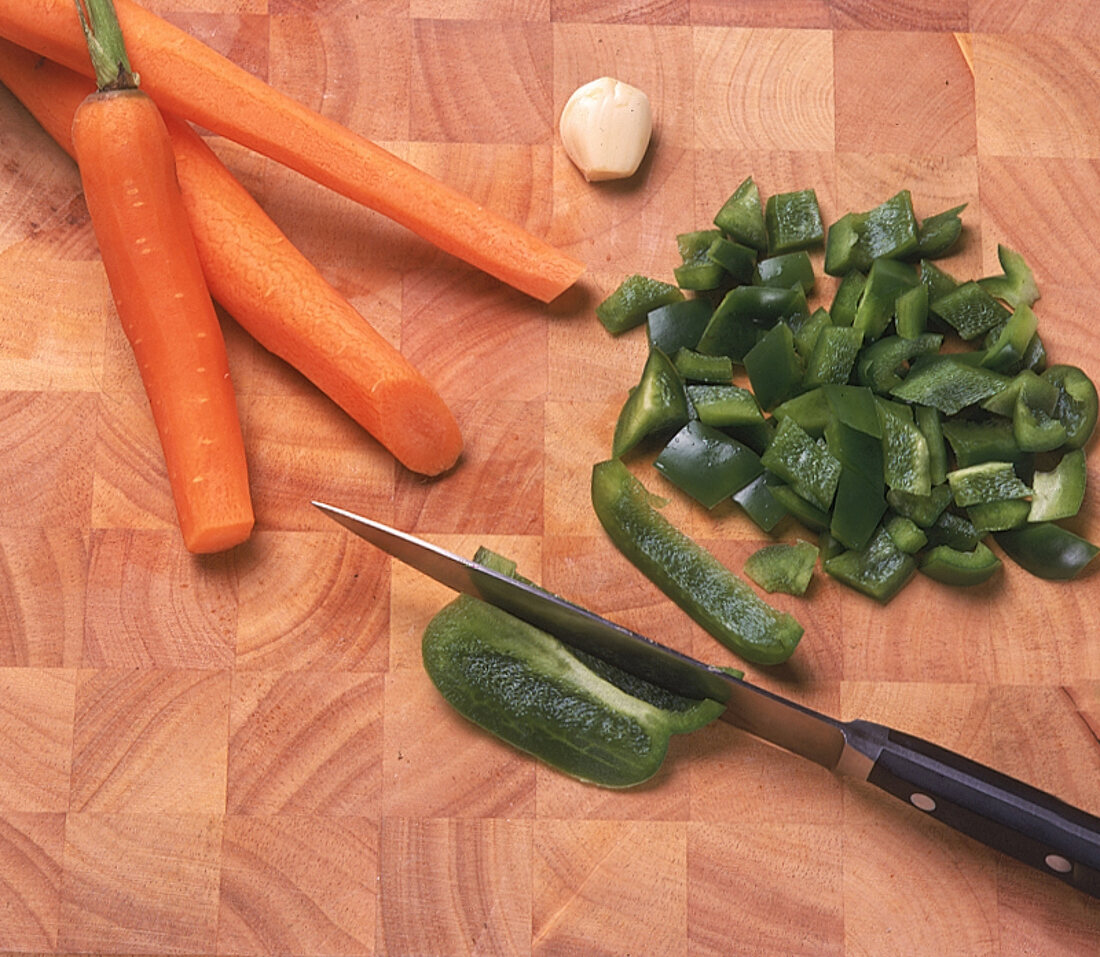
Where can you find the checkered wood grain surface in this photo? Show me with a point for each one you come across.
(242, 755)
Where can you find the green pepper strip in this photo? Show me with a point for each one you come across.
(951, 566)
(721, 602)
(1047, 550)
(632, 301)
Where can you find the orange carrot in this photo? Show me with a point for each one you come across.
(128, 173)
(192, 81)
(271, 289)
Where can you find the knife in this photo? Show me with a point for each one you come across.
(1001, 812)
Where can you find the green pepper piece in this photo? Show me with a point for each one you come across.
(677, 325)
(785, 567)
(938, 234)
(697, 367)
(981, 440)
(931, 427)
(858, 507)
(792, 221)
(854, 406)
(950, 566)
(1016, 284)
(1076, 406)
(853, 433)
(881, 364)
(707, 464)
(889, 231)
(954, 530)
(911, 312)
(924, 510)
(744, 314)
(742, 217)
(737, 260)
(1034, 425)
(659, 402)
(785, 270)
(907, 534)
(948, 383)
(1035, 356)
(759, 503)
(833, 356)
(720, 601)
(1008, 344)
(905, 459)
(809, 515)
(635, 297)
(1060, 492)
(1047, 550)
(774, 367)
(998, 516)
(970, 310)
(724, 406)
(807, 330)
(525, 687)
(985, 482)
(698, 271)
(812, 471)
(809, 409)
(846, 300)
(886, 281)
(879, 570)
(938, 281)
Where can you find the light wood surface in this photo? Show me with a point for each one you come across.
(242, 755)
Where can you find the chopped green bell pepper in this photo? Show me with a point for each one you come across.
(985, 482)
(998, 516)
(881, 364)
(911, 312)
(721, 602)
(1016, 285)
(907, 534)
(785, 567)
(1060, 492)
(948, 383)
(833, 356)
(760, 504)
(774, 367)
(633, 300)
(793, 221)
(707, 464)
(738, 260)
(1008, 343)
(938, 234)
(924, 510)
(879, 570)
(981, 440)
(658, 403)
(1076, 406)
(741, 217)
(970, 310)
(677, 325)
(723, 406)
(744, 314)
(697, 367)
(857, 239)
(811, 470)
(698, 271)
(951, 566)
(846, 300)
(1047, 550)
(886, 281)
(786, 270)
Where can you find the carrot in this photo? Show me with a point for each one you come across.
(192, 81)
(268, 286)
(128, 172)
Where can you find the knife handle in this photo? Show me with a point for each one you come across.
(999, 811)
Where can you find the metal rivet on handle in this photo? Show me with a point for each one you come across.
(923, 801)
(1058, 863)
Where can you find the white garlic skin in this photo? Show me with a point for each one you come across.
(605, 128)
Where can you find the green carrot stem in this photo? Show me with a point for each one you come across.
(106, 45)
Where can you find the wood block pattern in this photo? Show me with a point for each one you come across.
(242, 755)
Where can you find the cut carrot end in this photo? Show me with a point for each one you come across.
(211, 539)
(416, 427)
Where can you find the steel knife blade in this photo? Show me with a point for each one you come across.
(1002, 812)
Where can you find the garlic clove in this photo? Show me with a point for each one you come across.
(605, 128)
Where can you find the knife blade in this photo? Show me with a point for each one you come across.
(1003, 813)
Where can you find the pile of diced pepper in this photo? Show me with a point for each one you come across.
(905, 423)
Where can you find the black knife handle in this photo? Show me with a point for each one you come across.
(999, 811)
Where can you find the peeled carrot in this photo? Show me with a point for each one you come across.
(268, 286)
(128, 172)
(191, 80)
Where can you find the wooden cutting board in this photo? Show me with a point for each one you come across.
(242, 755)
